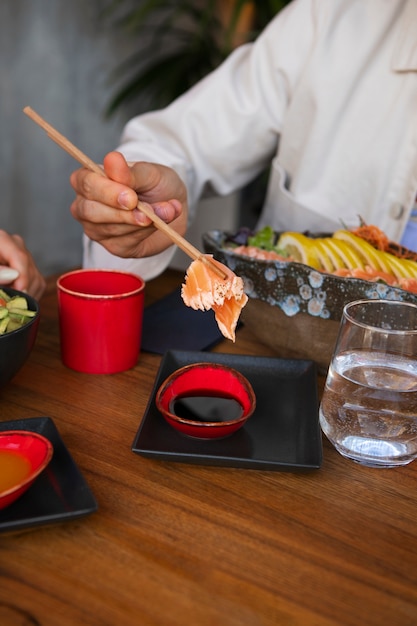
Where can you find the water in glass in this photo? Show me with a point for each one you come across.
(369, 407)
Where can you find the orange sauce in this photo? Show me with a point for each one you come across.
(14, 468)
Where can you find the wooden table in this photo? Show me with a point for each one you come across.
(175, 544)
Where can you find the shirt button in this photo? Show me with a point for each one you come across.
(396, 211)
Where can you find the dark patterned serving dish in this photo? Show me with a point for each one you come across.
(293, 308)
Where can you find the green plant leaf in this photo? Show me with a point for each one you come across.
(181, 42)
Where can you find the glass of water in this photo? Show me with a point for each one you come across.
(369, 405)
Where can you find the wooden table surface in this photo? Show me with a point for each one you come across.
(175, 544)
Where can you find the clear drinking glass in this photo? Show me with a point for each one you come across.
(369, 405)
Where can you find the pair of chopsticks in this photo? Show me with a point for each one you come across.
(86, 162)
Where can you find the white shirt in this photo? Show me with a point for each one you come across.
(327, 94)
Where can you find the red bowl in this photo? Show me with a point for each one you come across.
(214, 400)
(23, 456)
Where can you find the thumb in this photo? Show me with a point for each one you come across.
(117, 169)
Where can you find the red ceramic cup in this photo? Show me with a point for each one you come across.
(100, 316)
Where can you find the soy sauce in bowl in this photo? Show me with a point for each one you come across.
(206, 400)
(206, 408)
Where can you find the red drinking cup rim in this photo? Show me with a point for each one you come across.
(98, 296)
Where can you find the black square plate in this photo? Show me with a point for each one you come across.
(60, 493)
(282, 434)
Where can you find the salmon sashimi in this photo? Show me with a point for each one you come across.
(203, 289)
(409, 284)
(260, 253)
(368, 273)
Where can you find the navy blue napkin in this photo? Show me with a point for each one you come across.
(169, 324)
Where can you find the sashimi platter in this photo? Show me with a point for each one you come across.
(298, 283)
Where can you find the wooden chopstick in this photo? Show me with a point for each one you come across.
(86, 162)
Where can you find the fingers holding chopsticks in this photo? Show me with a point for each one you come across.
(161, 197)
(99, 200)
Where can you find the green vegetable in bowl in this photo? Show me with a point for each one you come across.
(266, 239)
(14, 312)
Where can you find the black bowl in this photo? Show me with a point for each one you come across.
(16, 345)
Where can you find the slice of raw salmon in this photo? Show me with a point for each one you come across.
(203, 289)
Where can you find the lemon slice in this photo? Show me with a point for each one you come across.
(405, 268)
(351, 259)
(333, 254)
(323, 255)
(411, 267)
(300, 248)
(370, 255)
(397, 266)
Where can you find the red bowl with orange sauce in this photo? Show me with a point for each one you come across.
(206, 400)
(23, 456)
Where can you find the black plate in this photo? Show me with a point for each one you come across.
(60, 493)
(282, 434)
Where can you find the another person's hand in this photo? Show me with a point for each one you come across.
(15, 255)
(106, 207)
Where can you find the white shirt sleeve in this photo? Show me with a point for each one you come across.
(224, 131)
(95, 256)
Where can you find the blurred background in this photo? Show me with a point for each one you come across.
(87, 67)
(55, 57)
